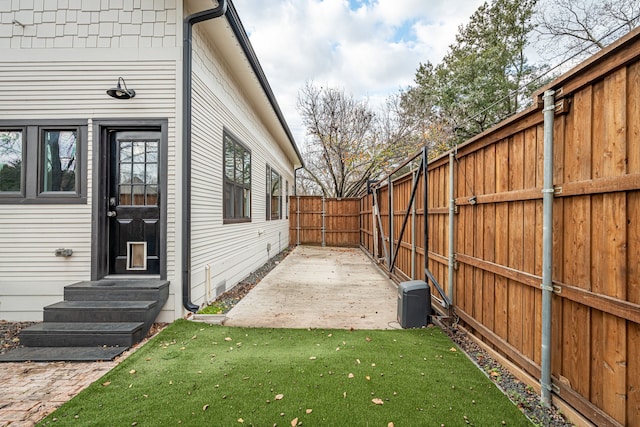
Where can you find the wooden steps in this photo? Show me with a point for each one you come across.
(110, 315)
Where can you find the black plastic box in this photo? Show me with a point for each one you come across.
(414, 304)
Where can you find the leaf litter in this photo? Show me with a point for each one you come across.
(298, 363)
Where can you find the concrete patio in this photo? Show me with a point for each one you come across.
(320, 287)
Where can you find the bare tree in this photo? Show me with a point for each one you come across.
(579, 28)
(400, 131)
(348, 142)
(340, 152)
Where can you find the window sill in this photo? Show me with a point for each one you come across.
(235, 220)
(49, 200)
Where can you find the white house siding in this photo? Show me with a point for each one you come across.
(58, 66)
(223, 254)
(30, 275)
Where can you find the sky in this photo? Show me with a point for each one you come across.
(369, 48)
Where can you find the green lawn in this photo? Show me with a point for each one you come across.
(196, 374)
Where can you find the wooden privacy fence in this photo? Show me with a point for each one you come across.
(497, 267)
(315, 220)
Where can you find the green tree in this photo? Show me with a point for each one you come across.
(484, 76)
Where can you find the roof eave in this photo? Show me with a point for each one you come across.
(243, 39)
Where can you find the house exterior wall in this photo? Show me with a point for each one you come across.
(57, 58)
(224, 254)
(58, 66)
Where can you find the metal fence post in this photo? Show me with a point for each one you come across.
(323, 225)
(390, 184)
(416, 176)
(452, 211)
(298, 220)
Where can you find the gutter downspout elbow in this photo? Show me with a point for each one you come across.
(295, 180)
(187, 80)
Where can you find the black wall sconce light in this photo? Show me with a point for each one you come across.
(119, 93)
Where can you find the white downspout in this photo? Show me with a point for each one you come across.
(547, 246)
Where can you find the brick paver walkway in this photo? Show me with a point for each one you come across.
(31, 391)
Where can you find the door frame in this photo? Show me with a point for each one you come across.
(100, 191)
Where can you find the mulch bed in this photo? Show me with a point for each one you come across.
(9, 334)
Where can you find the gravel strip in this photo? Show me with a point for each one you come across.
(231, 297)
(522, 395)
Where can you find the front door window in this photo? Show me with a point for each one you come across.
(138, 184)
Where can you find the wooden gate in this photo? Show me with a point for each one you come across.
(315, 220)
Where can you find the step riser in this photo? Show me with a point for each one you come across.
(96, 294)
(116, 290)
(92, 315)
(48, 339)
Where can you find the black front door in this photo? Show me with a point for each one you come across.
(133, 212)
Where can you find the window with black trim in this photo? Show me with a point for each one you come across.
(286, 199)
(11, 160)
(237, 181)
(274, 194)
(58, 160)
(43, 162)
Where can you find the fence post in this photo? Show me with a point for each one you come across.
(416, 176)
(425, 211)
(360, 223)
(547, 247)
(323, 241)
(390, 184)
(374, 225)
(452, 211)
(298, 220)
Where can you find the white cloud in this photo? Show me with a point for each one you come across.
(358, 50)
